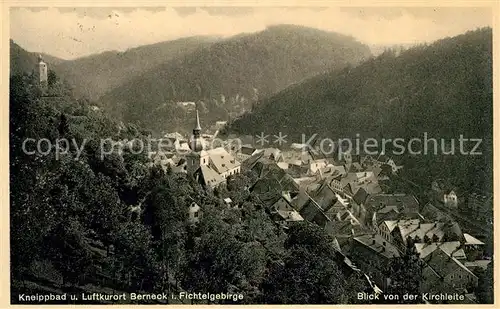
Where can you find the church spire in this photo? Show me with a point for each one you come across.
(198, 127)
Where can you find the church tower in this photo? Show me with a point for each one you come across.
(198, 156)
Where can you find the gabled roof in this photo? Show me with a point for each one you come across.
(247, 149)
(336, 228)
(471, 240)
(360, 196)
(405, 202)
(483, 264)
(376, 243)
(443, 263)
(391, 225)
(324, 196)
(451, 248)
(221, 160)
(290, 215)
(210, 176)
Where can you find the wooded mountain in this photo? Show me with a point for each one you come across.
(22, 61)
(94, 75)
(228, 76)
(444, 89)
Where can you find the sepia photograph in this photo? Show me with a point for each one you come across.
(251, 155)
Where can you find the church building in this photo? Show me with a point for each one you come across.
(210, 167)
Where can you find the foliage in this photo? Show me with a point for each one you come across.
(443, 90)
(405, 275)
(485, 289)
(227, 76)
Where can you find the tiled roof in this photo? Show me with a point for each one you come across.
(222, 160)
(407, 202)
(478, 263)
(449, 248)
(376, 243)
(210, 176)
(443, 263)
(391, 225)
(290, 215)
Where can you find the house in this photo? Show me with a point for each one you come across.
(420, 232)
(450, 199)
(404, 202)
(394, 168)
(360, 196)
(316, 165)
(473, 247)
(432, 213)
(245, 152)
(272, 153)
(343, 232)
(444, 273)
(477, 265)
(452, 248)
(373, 254)
(194, 213)
(187, 105)
(283, 211)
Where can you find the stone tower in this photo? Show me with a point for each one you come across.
(42, 71)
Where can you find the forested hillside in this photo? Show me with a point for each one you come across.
(84, 222)
(443, 89)
(22, 61)
(94, 75)
(229, 76)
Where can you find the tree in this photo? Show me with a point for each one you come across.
(405, 275)
(485, 288)
(63, 125)
(308, 273)
(51, 78)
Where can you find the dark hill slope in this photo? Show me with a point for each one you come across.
(94, 75)
(444, 89)
(229, 75)
(22, 61)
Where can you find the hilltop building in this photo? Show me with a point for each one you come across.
(42, 71)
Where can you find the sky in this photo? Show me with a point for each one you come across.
(70, 33)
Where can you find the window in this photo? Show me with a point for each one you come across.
(196, 214)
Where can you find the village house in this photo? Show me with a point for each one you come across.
(245, 152)
(272, 153)
(474, 248)
(316, 165)
(405, 203)
(477, 265)
(444, 273)
(373, 254)
(194, 213)
(283, 211)
(450, 199)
